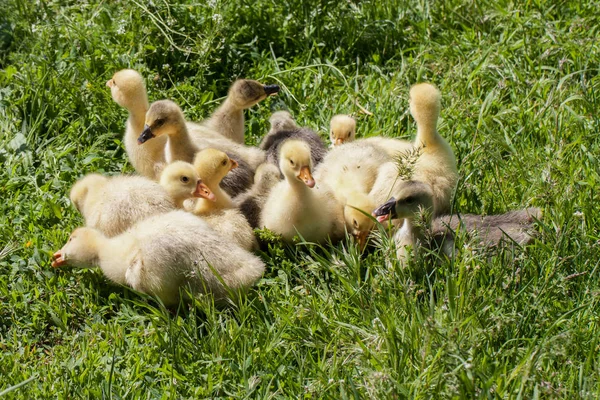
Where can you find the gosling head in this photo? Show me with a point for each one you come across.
(212, 165)
(164, 117)
(80, 250)
(357, 214)
(81, 188)
(127, 89)
(342, 129)
(295, 162)
(282, 121)
(412, 198)
(425, 103)
(181, 181)
(244, 93)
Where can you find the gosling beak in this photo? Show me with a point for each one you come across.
(110, 83)
(386, 211)
(306, 176)
(361, 238)
(339, 141)
(145, 135)
(58, 260)
(203, 191)
(234, 164)
(271, 90)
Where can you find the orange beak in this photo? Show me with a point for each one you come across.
(234, 164)
(110, 83)
(361, 238)
(339, 141)
(203, 191)
(58, 260)
(306, 176)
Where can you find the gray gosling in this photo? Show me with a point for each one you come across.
(417, 198)
(228, 119)
(165, 118)
(283, 127)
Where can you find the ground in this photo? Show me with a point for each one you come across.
(521, 94)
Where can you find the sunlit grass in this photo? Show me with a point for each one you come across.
(521, 94)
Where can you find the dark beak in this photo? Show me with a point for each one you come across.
(271, 89)
(146, 135)
(387, 209)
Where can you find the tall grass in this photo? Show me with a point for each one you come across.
(521, 95)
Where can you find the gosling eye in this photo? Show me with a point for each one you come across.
(292, 162)
(114, 82)
(224, 162)
(355, 223)
(159, 122)
(185, 179)
(409, 200)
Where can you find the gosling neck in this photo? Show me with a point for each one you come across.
(180, 145)
(229, 118)
(116, 255)
(414, 232)
(229, 106)
(222, 199)
(137, 112)
(93, 247)
(179, 200)
(427, 134)
(296, 184)
(409, 234)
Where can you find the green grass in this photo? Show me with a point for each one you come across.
(521, 94)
